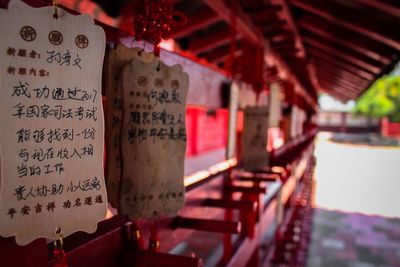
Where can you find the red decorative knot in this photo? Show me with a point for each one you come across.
(153, 20)
(60, 258)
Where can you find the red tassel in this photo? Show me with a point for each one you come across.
(137, 239)
(60, 258)
(154, 242)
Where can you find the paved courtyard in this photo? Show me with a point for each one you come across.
(357, 217)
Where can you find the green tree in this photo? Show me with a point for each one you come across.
(381, 99)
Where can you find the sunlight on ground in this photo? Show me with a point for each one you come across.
(357, 178)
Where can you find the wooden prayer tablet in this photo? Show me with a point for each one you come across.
(52, 135)
(116, 60)
(153, 139)
(255, 155)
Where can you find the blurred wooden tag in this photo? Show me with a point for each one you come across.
(50, 102)
(255, 155)
(116, 60)
(232, 123)
(153, 139)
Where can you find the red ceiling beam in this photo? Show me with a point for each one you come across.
(338, 74)
(201, 19)
(278, 32)
(310, 69)
(221, 54)
(344, 86)
(283, 37)
(247, 29)
(354, 44)
(244, 25)
(342, 55)
(292, 77)
(320, 8)
(342, 81)
(256, 9)
(338, 69)
(258, 13)
(338, 90)
(341, 64)
(349, 87)
(332, 90)
(329, 67)
(204, 44)
(382, 6)
(225, 57)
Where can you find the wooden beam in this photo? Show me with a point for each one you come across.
(321, 9)
(341, 64)
(340, 79)
(382, 6)
(338, 74)
(350, 87)
(201, 19)
(202, 44)
(273, 26)
(260, 14)
(336, 52)
(333, 91)
(284, 37)
(354, 44)
(222, 53)
(256, 9)
(265, 21)
(277, 32)
(300, 90)
(310, 71)
(243, 23)
(292, 26)
(339, 90)
(329, 67)
(285, 51)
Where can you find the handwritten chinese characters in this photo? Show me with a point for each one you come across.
(255, 155)
(52, 145)
(116, 60)
(153, 139)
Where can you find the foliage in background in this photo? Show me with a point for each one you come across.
(381, 99)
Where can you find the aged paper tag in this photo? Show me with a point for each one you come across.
(255, 155)
(52, 136)
(153, 139)
(116, 60)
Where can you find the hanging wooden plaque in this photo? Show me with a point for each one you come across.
(232, 122)
(153, 139)
(255, 155)
(117, 59)
(52, 136)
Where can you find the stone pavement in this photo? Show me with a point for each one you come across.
(357, 217)
(342, 239)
